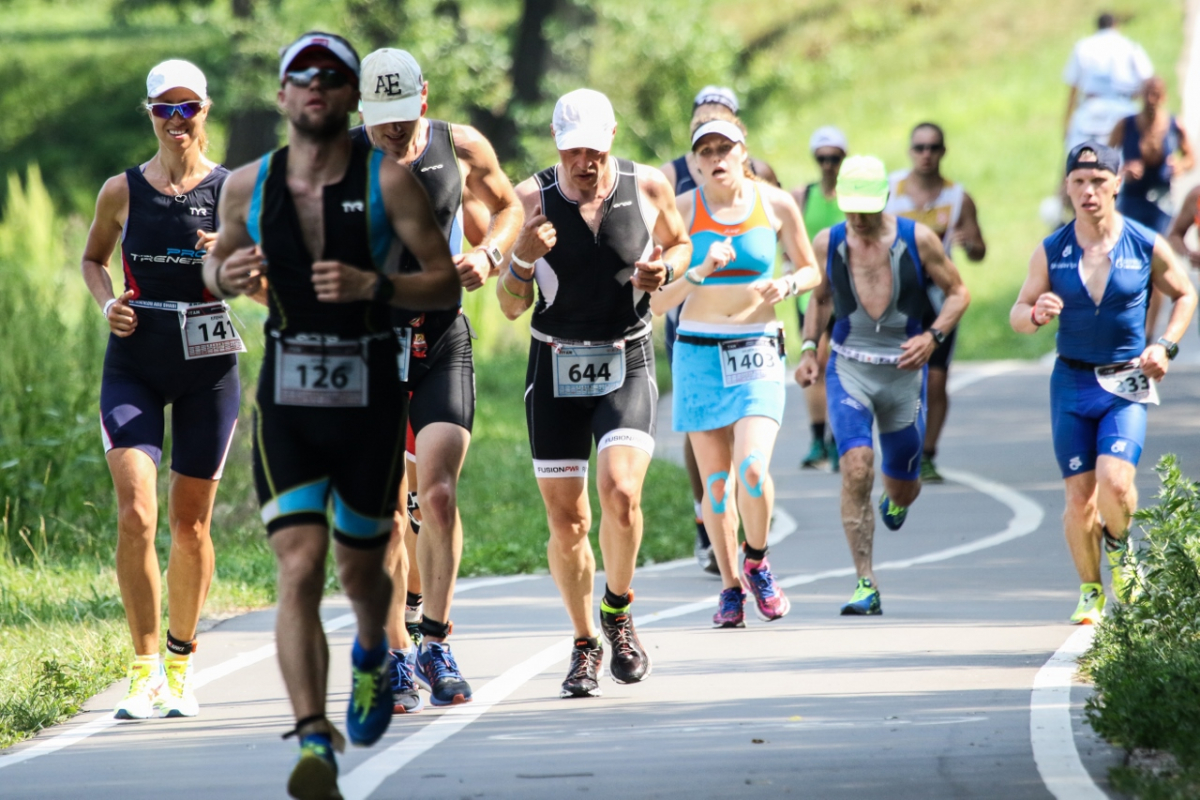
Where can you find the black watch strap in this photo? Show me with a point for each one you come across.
(937, 335)
(1172, 348)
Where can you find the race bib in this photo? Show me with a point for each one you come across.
(745, 360)
(208, 331)
(331, 375)
(588, 371)
(1128, 381)
(404, 337)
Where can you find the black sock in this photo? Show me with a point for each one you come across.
(930, 454)
(753, 554)
(1111, 542)
(818, 431)
(431, 627)
(587, 643)
(413, 600)
(179, 647)
(617, 602)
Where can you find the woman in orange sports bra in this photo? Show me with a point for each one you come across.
(728, 357)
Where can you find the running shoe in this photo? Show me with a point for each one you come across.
(731, 612)
(630, 662)
(583, 676)
(1091, 605)
(438, 674)
(177, 698)
(405, 697)
(865, 601)
(315, 775)
(835, 461)
(929, 473)
(705, 556)
(892, 514)
(145, 684)
(370, 708)
(769, 600)
(413, 615)
(1122, 577)
(816, 454)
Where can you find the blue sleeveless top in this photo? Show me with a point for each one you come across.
(753, 241)
(683, 177)
(1114, 330)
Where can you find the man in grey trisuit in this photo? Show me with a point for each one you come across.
(877, 268)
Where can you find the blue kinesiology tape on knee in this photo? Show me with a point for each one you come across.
(755, 455)
(718, 508)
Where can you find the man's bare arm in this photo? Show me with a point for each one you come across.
(235, 265)
(436, 285)
(515, 294)
(487, 183)
(941, 270)
(1035, 294)
(968, 233)
(1170, 279)
(669, 231)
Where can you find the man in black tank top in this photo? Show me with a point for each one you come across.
(321, 215)
(450, 161)
(604, 232)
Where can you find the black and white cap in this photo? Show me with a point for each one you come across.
(331, 43)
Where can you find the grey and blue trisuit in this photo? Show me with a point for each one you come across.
(330, 410)
(1086, 419)
(862, 382)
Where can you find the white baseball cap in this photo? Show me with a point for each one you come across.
(176, 74)
(584, 118)
(333, 44)
(828, 136)
(719, 126)
(390, 86)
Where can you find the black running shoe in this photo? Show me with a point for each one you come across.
(583, 676)
(630, 662)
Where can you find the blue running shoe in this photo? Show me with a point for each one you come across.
(731, 609)
(405, 697)
(438, 674)
(893, 515)
(865, 601)
(370, 710)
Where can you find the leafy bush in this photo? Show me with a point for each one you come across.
(1145, 660)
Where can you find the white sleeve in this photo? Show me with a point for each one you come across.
(1071, 72)
(1143, 67)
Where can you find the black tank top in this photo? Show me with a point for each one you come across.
(158, 245)
(584, 289)
(357, 232)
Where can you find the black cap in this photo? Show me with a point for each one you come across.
(1105, 157)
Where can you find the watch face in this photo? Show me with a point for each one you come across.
(494, 255)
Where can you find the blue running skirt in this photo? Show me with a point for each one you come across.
(700, 400)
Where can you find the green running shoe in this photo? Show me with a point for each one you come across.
(1091, 605)
(835, 461)
(816, 454)
(892, 514)
(1122, 575)
(865, 601)
(929, 473)
(315, 775)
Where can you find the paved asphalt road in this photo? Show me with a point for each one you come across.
(930, 700)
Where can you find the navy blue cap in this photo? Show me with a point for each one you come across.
(1105, 157)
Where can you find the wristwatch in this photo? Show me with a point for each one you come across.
(493, 254)
(670, 273)
(937, 335)
(1172, 348)
(385, 290)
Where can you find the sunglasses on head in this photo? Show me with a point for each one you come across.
(329, 78)
(829, 159)
(167, 110)
(928, 148)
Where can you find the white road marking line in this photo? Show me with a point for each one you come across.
(783, 526)
(1050, 730)
(362, 781)
(480, 583)
(202, 677)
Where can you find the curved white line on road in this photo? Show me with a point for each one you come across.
(782, 526)
(1050, 730)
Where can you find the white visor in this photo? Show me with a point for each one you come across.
(720, 126)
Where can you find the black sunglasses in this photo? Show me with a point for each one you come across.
(928, 148)
(329, 78)
(829, 159)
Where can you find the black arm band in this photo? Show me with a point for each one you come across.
(385, 290)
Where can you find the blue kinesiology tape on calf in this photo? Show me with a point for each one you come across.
(755, 455)
(718, 508)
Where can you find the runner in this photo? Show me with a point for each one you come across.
(877, 270)
(164, 213)
(728, 390)
(1189, 215)
(448, 160)
(1105, 72)
(600, 234)
(818, 205)
(1094, 275)
(712, 102)
(922, 194)
(330, 409)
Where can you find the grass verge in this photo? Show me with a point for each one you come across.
(1145, 661)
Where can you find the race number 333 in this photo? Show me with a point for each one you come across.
(328, 375)
(745, 360)
(588, 371)
(208, 331)
(1128, 381)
